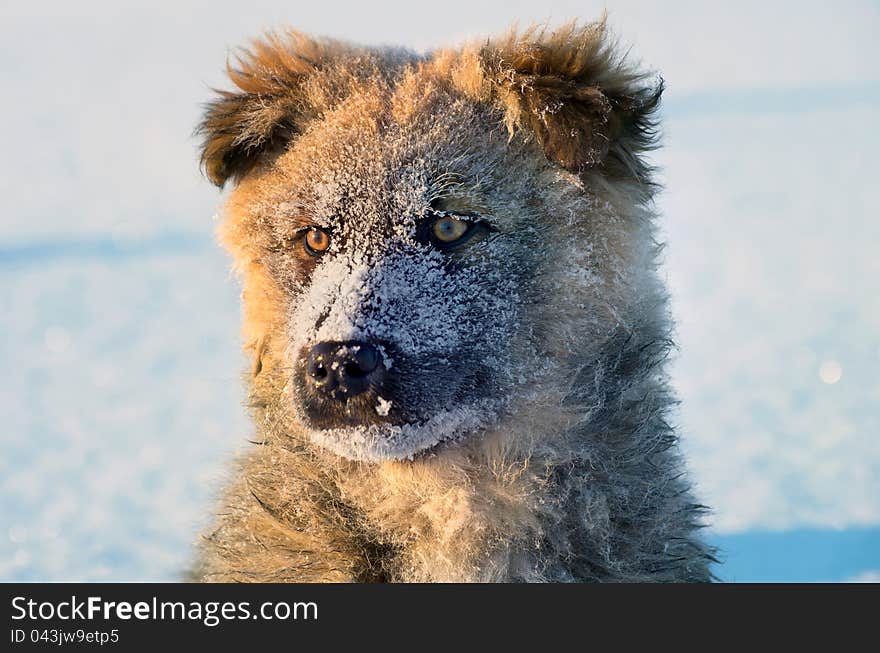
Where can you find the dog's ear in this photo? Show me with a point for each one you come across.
(267, 108)
(582, 103)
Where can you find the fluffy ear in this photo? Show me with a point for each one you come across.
(268, 107)
(584, 106)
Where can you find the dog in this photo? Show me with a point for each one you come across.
(451, 298)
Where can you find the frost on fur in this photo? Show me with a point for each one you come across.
(509, 421)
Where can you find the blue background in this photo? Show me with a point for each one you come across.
(120, 390)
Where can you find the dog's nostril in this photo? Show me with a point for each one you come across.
(353, 369)
(365, 359)
(319, 372)
(358, 360)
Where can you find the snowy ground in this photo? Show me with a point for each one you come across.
(121, 408)
(120, 395)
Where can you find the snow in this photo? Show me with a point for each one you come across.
(119, 416)
(382, 406)
(772, 260)
(121, 395)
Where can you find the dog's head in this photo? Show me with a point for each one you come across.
(424, 239)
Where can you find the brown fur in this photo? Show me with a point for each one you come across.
(502, 505)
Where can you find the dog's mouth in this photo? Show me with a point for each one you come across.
(373, 407)
(386, 440)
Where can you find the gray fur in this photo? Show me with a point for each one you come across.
(524, 433)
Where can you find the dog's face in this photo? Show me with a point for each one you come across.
(404, 256)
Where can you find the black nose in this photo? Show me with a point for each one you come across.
(344, 369)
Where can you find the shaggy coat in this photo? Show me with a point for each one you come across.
(522, 433)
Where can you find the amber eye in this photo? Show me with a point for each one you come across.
(316, 241)
(448, 230)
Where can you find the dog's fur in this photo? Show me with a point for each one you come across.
(525, 435)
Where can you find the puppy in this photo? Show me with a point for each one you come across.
(451, 299)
